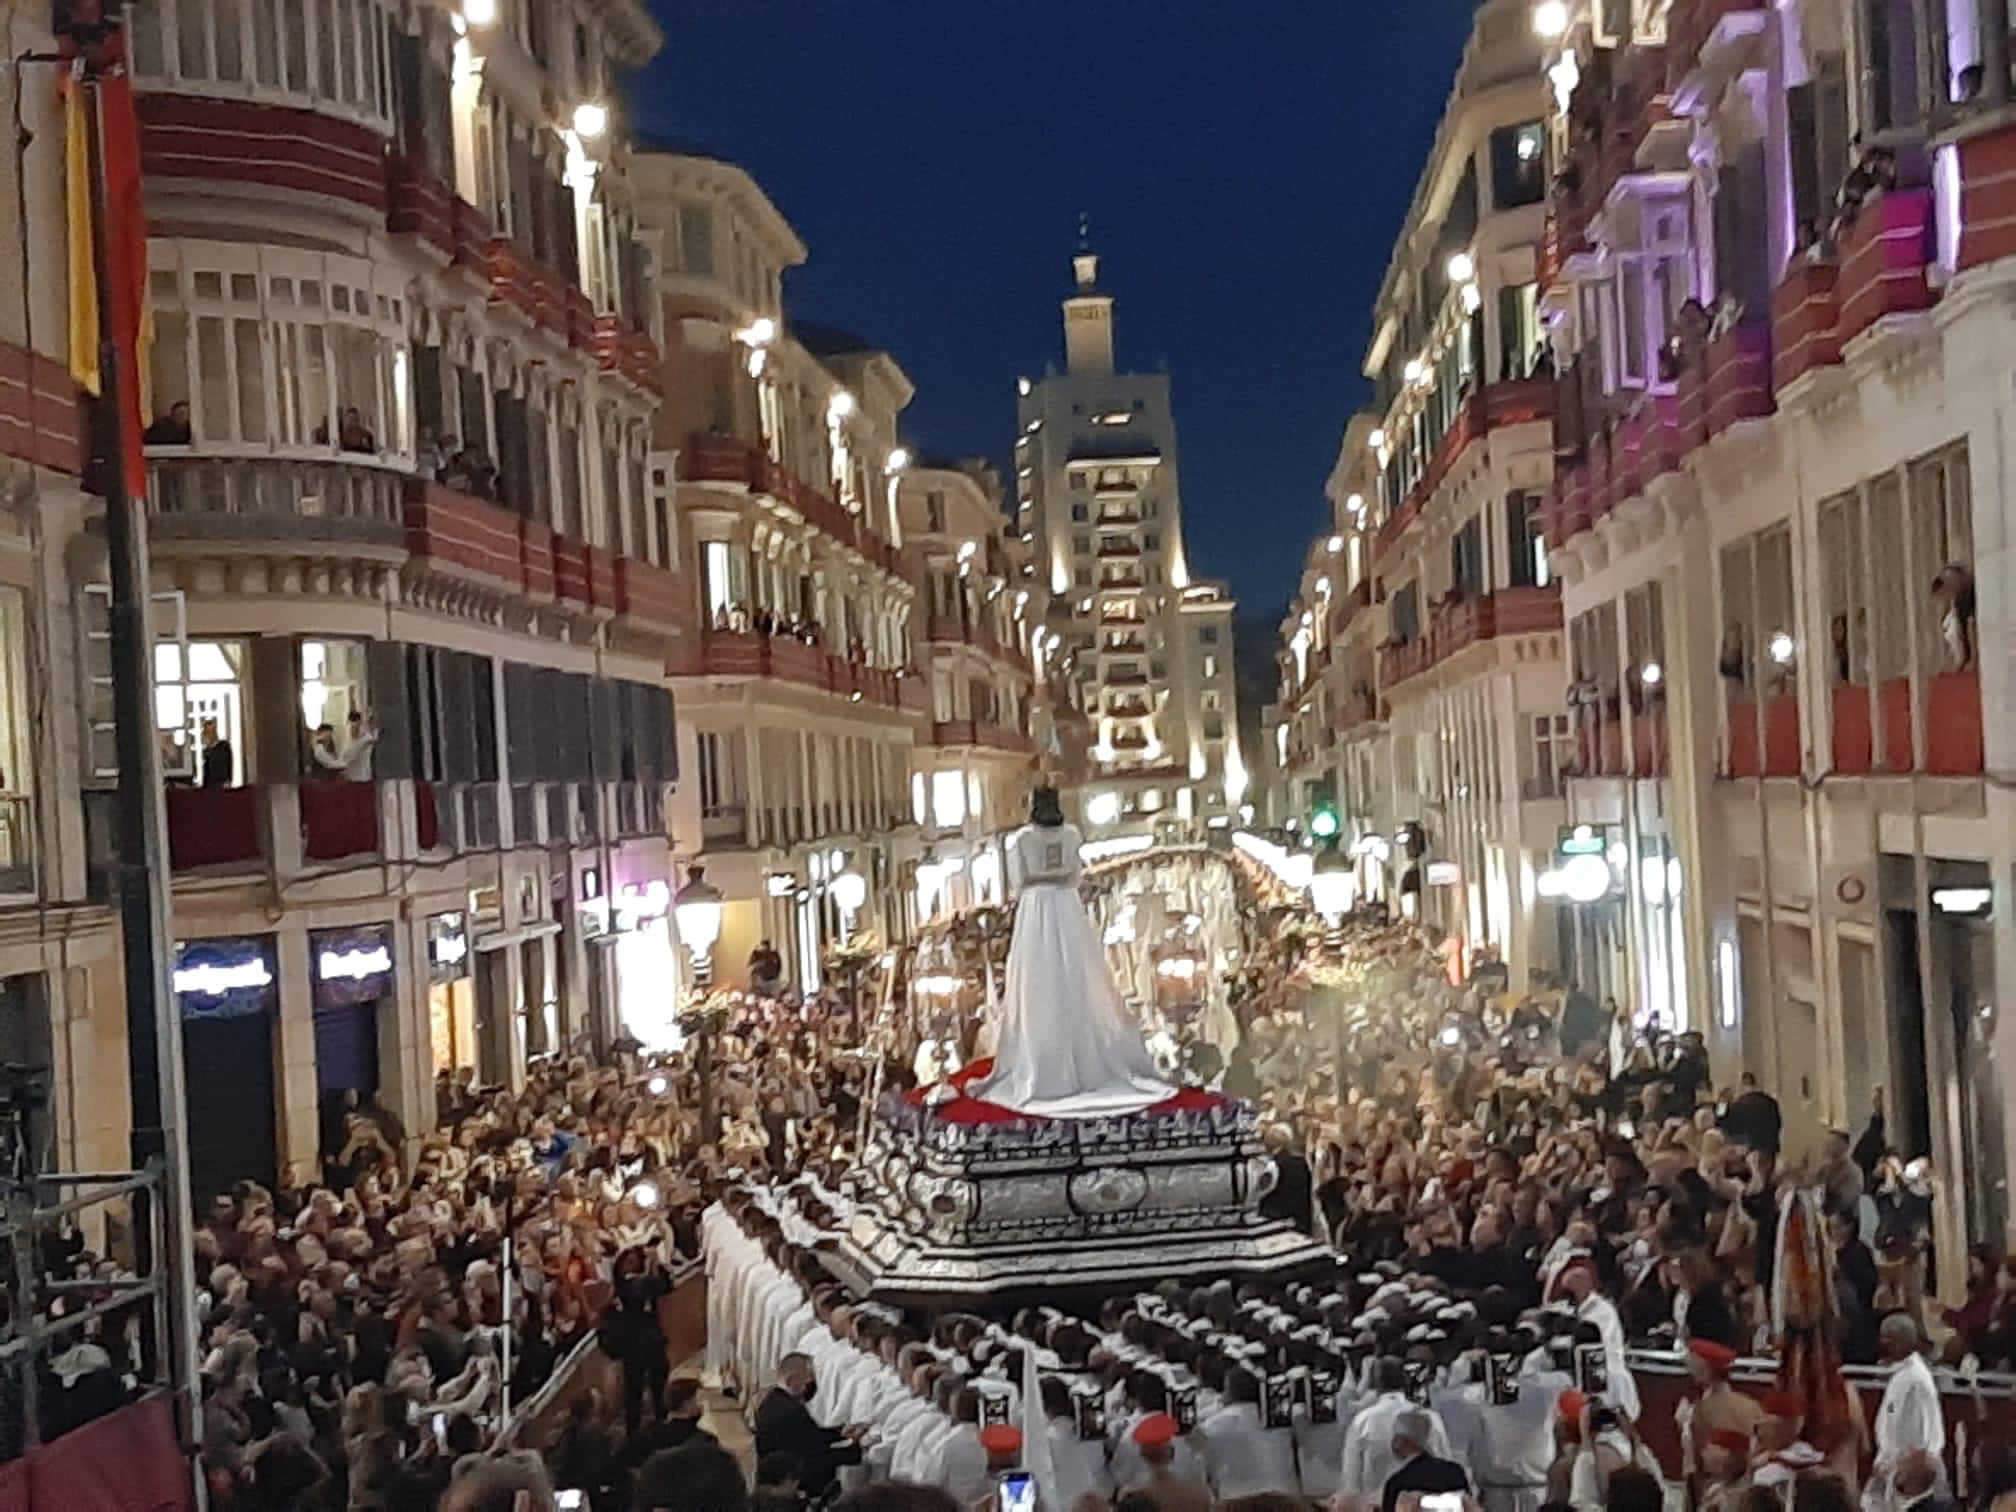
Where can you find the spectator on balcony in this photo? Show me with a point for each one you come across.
(430, 456)
(1953, 592)
(171, 429)
(219, 764)
(352, 434)
(351, 758)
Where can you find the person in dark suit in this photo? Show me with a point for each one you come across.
(1294, 1193)
(1419, 1470)
(784, 1425)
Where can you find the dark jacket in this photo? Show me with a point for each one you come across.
(784, 1426)
(1426, 1474)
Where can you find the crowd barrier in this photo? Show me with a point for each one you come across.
(127, 1461)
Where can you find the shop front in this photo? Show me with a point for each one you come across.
(228, 996)
(451, 993)
(354, 989)
(642, 963)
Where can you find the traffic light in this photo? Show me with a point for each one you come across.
(1324, 821)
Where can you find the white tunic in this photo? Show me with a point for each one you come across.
(1243, 1456)
(1910, 1416)
(1623, 1392)
(1369, 1461)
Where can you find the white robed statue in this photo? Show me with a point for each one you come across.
(1067, 1046)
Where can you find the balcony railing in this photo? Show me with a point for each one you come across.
(730, 653)
(729, 459)
(1692, 25)
(213, 499)
(215, 827)
(1496, 405)
(1461, 623)
(339, 820)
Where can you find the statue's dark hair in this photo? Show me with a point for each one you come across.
(1045, 808)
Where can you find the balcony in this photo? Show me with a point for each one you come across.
(216, 828)
(279, 504)
(731, 653)
(627, 353)
(1459, 624)
(1126, 679)
(264, 148)
(651, 598)
(521, 283)
(1697, 29)
(1121, 582)
(1763, 738)
(1885, 256)
(1987, 175)
(728, 459)
(1491, 407)
(1118, 548)
(1730, 384)
(1118, 514)
(1873, 734)
(418, 205)
(339, 820)
(1805, 322)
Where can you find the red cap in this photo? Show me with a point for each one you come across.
(1734, 1440)
(1571, 1404)
(1715, 1356)
(1788, 1405)
(1155, 1430)
(1001, 1438)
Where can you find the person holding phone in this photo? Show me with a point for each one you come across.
(1441, 1483)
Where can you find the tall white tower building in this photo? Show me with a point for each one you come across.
(1147, 649)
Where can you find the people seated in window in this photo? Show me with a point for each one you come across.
(1953, 592)
(171, 429)
(1874, 174)
(219, 764)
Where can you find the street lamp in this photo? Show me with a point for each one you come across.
(696, 908)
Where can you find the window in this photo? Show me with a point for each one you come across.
(1549, 756)
(934, 511)
(1081, 545)
(1214, 727)
(275, 348)
(1083, 577)
(696, 240)
(1525, 529)
(1519, 164)
(1207, 635)
(1151, 541)
(1521, 339)
(332, 57)
(1080, 483)
(1652, 284)
(1210, 664)
(1817, 125)
(1079, 514)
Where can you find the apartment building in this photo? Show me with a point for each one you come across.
(980, 620)
(1422, 659)
(776, 472)
(1774, 277)
(412, 600)
(1147, 649)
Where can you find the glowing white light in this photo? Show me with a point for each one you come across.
(1473, 299)
(353, 965)
(480, 12)
(1781, 647)
(1462, 268)
(1652, 674)
(850, 891)
(590, 120)
(1452, 1035)
(1102, 808)
(658, 1086)
(211, 980)
(1022, 387)
(1550, 19)
(840, 406)
(898, 460)
(645, 1194)
(1412, 372)
(1725, 979)
(1336, 542)
(759, 332)
(1962, 900)
(1584, 879)
(451, 949)
(968, 550)
(1377, 440)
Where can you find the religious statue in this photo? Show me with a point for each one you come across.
(1066, 1045)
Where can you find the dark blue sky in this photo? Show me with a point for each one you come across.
(1245, 164)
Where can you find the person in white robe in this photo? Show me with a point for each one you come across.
(1077, 1464)
(1242, 1455)
(1067, 1047)
(1369, 1460)
(1909, 1420)
(1578, 1283)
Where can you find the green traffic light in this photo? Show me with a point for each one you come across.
(1323, 824)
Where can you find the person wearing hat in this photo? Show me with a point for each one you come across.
(1003, 1445)
(1243, 1456)
(1725, 1470)
(1719, 1407)
(1156, 1440)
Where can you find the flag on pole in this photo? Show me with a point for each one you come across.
(82, 227)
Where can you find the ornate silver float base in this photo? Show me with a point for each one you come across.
(950, 1213)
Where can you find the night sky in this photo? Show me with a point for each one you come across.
(1245, 164)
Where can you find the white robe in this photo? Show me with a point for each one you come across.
(1623, 1393)
(1369, 1461)
(1243, 1456)
(1068, 1047)
(1077, 1465)
(1910, 1416)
